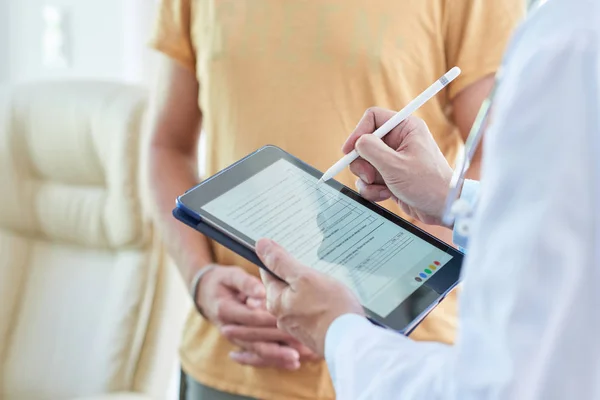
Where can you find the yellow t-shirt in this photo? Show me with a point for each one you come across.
(299, 75)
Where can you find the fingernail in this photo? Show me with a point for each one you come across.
(259, 291)
(363, 177)
(293, 355)
(294, 366)
(225, 330)
(263, 247)
(360, 185)
(239, 356)
(254, 303)
(385, 194)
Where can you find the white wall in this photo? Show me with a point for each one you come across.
(4, 40)
(106, 39)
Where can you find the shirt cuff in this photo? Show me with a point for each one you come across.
(340, 330)
(469, 194)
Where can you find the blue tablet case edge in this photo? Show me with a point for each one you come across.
(218, 237)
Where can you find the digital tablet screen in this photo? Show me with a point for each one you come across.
(379, 260)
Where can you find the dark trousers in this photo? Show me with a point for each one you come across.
(190, 389)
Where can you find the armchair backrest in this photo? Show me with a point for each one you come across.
(84, 285)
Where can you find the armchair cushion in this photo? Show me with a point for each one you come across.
(79, 266)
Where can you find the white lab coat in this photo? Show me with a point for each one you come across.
(530, 304)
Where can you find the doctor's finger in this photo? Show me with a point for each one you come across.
(372, 119)
(365, 171)
(375, 193)
(274, 288)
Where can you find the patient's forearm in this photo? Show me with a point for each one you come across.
(172, 173)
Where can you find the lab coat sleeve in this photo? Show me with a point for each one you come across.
(369, 362)
(529, 305)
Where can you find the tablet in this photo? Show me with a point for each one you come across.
(398, 271)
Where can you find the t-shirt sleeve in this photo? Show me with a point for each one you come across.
(172, 31)
(477, 33)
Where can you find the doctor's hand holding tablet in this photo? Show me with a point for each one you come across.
(407, 165)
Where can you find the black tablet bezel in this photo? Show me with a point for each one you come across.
(407, 315)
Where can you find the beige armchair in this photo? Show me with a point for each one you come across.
(89, 307)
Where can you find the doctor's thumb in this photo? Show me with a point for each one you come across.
(378, 154)
(276, 259)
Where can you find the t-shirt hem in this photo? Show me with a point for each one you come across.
(237, 388)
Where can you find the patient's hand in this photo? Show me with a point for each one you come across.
(222, 298)
(247, 338)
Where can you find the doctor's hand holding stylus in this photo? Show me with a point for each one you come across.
(396, 119)
(406, 166)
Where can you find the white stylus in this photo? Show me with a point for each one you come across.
(393, 122)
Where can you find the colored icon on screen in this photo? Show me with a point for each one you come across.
(437, 263)
(422, 275)
(428, 271)
(432, 267)
(418, 279)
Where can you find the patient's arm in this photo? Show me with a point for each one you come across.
(173, 164)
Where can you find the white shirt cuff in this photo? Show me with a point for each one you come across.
(469, 194)
(340, 330)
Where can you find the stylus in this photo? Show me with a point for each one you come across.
(393, 122)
